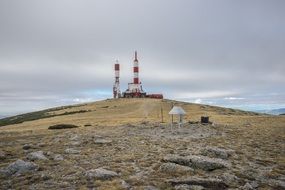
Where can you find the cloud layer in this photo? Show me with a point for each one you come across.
(222, 52)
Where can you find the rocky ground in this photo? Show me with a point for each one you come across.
(145, 155)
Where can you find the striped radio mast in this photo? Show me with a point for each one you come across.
(135, 89)
(116, 87)
(136, 69)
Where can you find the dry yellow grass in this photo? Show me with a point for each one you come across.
(134, 126)
(115, 112)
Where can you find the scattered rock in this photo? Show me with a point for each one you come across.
(247, 186)
(150, 187)
(230, 179)
(196, 187)
(45, 177)
(277, 184)
(72, 151)
(58, 157)
(75, 138)
(49, 153)
(174, 168)
(64, 185)
(102, 141)
(125, 185)
(254, 184)
(250, 173)
(182, 187)
(39, 155)
(140, 175)
(210, 183)
(19, 167)
(57, 139)
(189, 187)
(41, 144)
(216, 152)
(75, 143)
(101, 173)
(27, 146)
(74, 176)
(250, 186)
(2, 155)
(248, 124)
(199, 162)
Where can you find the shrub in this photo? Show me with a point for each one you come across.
(63, 126)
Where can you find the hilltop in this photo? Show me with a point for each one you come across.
(123, 144)
(117, 111)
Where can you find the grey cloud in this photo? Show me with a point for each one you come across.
(53, 52)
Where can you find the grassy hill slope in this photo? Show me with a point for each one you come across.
(127, 136)
(117, 111)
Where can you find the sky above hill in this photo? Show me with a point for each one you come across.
(223, 52)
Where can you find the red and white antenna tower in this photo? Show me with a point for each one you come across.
(136, 69)
(134, 89)
(116, 87)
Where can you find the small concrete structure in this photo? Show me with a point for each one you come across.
(176, 110)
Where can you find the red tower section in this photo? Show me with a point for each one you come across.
(136, 69)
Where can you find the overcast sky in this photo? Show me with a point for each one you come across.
(221, 52)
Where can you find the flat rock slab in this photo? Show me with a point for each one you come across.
(277, 184)
(75, 143)
(103, 141)
(230, 179)
(149, 187)
(72, 151)
(27, 146)
(125, 185)
(174, 168)
(101, 173)
(188, 187)
(211, 183)
(75, 138)
(58, 157)
(39, 155)
(216, 152)
(198, 162)
(2, 155)
(19, 167)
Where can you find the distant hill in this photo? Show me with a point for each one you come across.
(2, 116)
(280, 111)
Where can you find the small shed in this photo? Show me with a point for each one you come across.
(177, 110)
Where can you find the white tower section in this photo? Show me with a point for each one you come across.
(116, 87)
(136, 86)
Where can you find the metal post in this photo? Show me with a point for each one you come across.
(180, 120)
(172, 114)
(171, 125)
(161, 111)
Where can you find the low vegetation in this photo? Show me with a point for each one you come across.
(63, 126)
(125, 145)
(37, 115)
